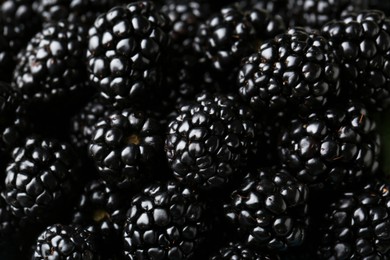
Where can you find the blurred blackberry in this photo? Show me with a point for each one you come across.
(384, 6)
(238, 251)
(332, 148)
(210, 140)
(41, 180)
(269, 210)
(274, 7)
(102, 210)
(165, 221)
(127, 148)
(229, 35)
(313, 14)
(125, 53)
(51, 64)
(18, 23)
(356, 225)
(294, 70)
(361, 43)
(65, 242)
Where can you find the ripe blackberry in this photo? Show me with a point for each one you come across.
(361, 43)
(238, 251)
(269, 210)
(274, 7)
(65, 242)
(127, 147)
(210, 140)
(40, 179)
(314, 14)
(356, 225)
(165, 221)
(296, 69)
(231, 34)
(334, 148)
(125, 51)
(50, 66)
(18, 23)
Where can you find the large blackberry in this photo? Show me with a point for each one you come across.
(65, 242)
(18, 23)
(231, 34)
(296, 69)
(356, 225)
(165, 221)
(127, 146)
(361, 43)
(270, 210)
(334, 147)
(210, 140)
(50, 65)
(125, 51)
(40, 179)
(238, 251)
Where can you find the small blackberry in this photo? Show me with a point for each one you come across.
(125, 51)
(294, 70)
(356, 225)
(127, 147)
(270, 210)
(65, 242)
(238, 251)
(335, 147)
(40, 179)
(165, 221)
(50, 65)
(361, 43)
(210, 139)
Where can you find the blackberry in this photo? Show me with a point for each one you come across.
(65, 242)
(125, 51)
(361, 43)
(18, 23)
(238, 251)
(356, 225)
(165, 221)
(50, 65)
(210, 140)
(332, 148)
(40, 179)
(295, 70)
(231, 34)
(314, 14)
(270, 210)
(274, 7)
(127, 147)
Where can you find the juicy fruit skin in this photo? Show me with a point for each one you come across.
(333, 148)
(236, 250)
(210, 140)
(295, 70)
(165, 221)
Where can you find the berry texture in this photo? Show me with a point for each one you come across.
(270, 210)
(65, 242)
(236, 250)
(332, 148)
(50, 65)
(210, 139)
(295, 70)
(165, 221)
(125, 52)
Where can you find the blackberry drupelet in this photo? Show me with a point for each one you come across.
(229, 35)
(270, 210)
(331, 148)
(361, 43)
(65, 242)
(238, 251)
(274, 7)
(210, 140)
(165, 221)
(41, 180)
(125, 53)
(356, 225)
(313, 14)
(51, 64)
(295, 70)
(127, 147)
(18, 23)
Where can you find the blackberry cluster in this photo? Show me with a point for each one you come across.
(194, 129)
